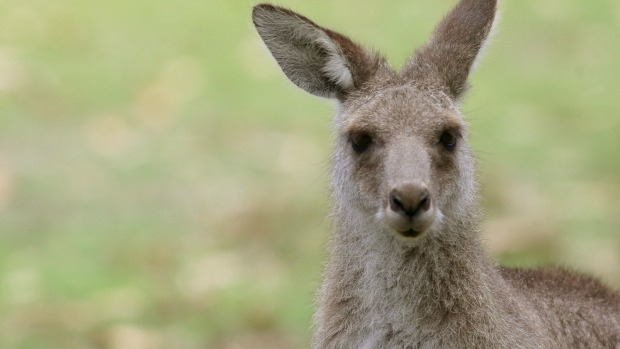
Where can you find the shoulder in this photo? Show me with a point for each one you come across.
(561, 283)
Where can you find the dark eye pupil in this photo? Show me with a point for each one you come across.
(360, 142)
(448, 140)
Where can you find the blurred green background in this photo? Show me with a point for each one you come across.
(162, 185)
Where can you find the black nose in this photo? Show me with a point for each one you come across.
(410, 200)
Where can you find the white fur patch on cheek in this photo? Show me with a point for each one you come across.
(380, 215)
(438, 218)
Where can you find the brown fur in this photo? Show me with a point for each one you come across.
(406, 267)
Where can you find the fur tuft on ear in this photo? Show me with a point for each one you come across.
(455, 46)
(320, 61)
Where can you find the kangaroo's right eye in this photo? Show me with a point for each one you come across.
(360, 142)
(448, 140)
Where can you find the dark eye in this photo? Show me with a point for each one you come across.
(360, 142)
(448, 140)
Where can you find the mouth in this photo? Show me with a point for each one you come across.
(410, 233)
(410, 228)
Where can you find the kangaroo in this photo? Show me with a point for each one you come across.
(407, 267)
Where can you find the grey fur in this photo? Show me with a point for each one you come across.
(407, 268)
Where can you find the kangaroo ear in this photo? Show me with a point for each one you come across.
(320, 61)
(455, 46)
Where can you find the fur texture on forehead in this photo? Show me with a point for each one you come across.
(399, 106)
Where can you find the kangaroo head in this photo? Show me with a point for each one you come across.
(401, 163)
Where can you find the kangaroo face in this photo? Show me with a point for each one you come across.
(401, 161)
(401, 154)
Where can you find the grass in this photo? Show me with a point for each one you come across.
(163, 186)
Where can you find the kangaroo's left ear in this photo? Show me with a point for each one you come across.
(455, 46)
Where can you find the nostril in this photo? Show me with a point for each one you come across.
(425, 204)
(395, 204)
(409, 203)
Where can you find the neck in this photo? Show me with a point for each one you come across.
(378, 288)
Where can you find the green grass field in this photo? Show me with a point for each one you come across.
(162, 185)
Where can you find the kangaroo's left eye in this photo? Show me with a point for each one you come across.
(448, 140)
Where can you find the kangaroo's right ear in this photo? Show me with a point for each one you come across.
(320, 61)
